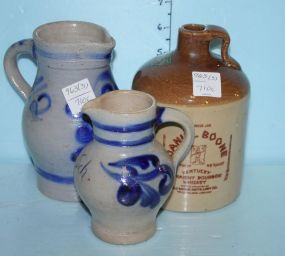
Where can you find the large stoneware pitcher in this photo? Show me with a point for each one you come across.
(73, 61)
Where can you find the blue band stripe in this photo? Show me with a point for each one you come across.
(72, 56)
(159, 113)
(55, 178)
(128, 143)
(125, 129)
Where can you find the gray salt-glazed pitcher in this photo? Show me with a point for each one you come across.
(124, 175)
(73, 61)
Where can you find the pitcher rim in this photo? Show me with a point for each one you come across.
(40, 40)
(141, 111)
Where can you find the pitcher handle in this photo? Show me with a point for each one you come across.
(23, 48)
(168, 115)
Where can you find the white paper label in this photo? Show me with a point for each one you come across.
(207, 84)
(77, 94)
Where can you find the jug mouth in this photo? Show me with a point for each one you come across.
(194, 27)
(76, 34)
(124, 102)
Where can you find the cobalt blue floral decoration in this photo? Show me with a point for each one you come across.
(134, 182)
(123, 175)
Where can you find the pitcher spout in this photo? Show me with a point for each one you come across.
(89, 109)
(116, 107)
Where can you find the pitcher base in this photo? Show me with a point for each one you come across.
(123, 238)
(61, 192)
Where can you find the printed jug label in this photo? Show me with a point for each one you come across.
(209, 177)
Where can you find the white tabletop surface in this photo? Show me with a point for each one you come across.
(32, 224)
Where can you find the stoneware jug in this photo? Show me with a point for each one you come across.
(124, 176)
(72, 61)
(213, 90)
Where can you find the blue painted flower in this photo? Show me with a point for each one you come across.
(69, 113)
(106, 81)
(75, 154)
(83, 133)
(136, 172)
(42, 102)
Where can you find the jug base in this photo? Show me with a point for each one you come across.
(188, 207)
(61, 192)
(112, 237)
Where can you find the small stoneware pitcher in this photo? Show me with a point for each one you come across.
(124, 176)
(72, 60)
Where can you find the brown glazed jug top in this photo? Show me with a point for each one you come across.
(169, 77)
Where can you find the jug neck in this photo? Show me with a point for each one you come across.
(193, 43)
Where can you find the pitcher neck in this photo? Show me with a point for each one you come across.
(72, 41)
(130, 135)
(72, 60)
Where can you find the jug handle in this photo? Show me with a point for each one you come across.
(171, 115)
(23, 48)
(219, 32)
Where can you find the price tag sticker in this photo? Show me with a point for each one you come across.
(77, 94)
(207, 84)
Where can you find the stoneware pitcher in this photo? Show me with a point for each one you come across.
(72, 61)
(124, 176)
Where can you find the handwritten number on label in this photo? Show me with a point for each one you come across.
(206, 89)
(206, 84)
(205, 76)
(76, 88)
(81, 101)
(77, 94)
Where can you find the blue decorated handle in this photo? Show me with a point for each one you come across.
(14, 52)
(168, 115)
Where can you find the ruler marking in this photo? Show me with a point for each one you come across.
(162, 26)
(170, 25)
